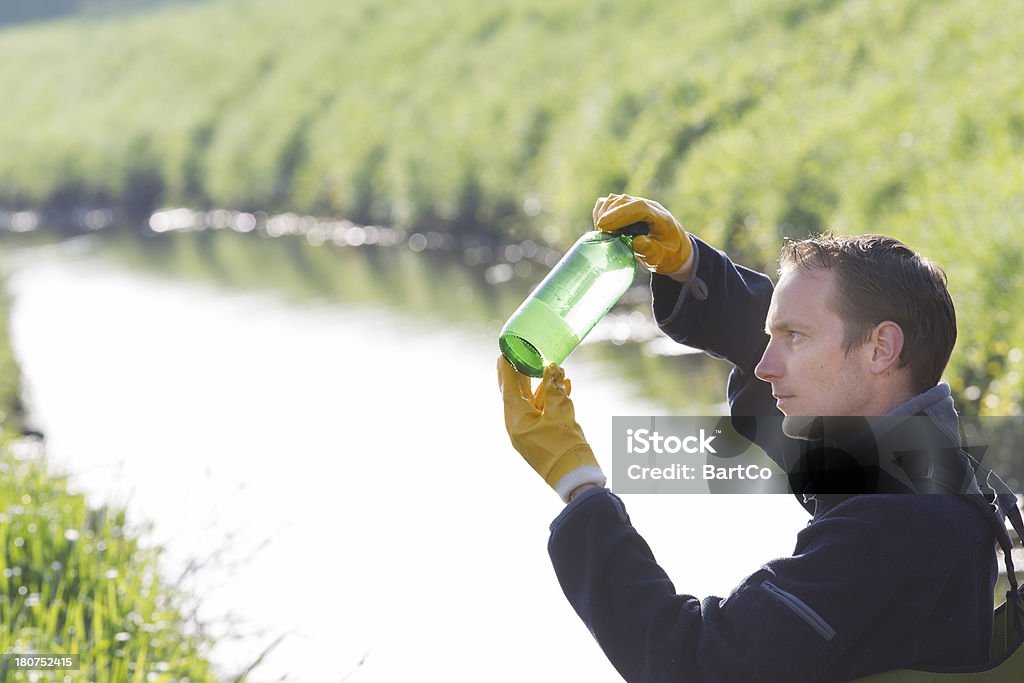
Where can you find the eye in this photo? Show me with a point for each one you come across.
(794, 335)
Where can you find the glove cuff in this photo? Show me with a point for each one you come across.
(586, 474)
(685, 271)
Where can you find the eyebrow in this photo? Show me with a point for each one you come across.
(786, 325)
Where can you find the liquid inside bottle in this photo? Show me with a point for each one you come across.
(569, 302)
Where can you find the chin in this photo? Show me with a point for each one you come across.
(798, 426)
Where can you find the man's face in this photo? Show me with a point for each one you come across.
(805, 362)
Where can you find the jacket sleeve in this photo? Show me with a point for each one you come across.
(783, 623)
(721, 310)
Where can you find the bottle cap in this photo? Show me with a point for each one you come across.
(634, 229)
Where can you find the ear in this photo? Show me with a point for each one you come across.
(886, 345)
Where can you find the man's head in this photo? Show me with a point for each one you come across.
(857, 326)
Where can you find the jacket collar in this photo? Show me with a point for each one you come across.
(914, 448)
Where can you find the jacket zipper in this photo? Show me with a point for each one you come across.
(802, 610)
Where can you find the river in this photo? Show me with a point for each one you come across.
(337, 472)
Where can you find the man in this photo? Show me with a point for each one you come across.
(847, 350)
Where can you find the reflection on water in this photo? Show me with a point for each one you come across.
(453, 286)
(336, 463)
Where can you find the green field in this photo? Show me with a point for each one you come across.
(750, 120)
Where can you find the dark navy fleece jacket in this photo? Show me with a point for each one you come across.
(875, 582)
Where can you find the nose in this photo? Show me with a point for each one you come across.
(769, 368)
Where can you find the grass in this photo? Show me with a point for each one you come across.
(76, 580)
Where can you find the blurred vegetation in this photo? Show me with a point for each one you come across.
(75, 579)
(750, 120)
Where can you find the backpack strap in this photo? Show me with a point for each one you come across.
(1000, 506)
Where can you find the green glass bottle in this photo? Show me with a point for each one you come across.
(574, 296)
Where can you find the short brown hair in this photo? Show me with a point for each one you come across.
(879, 278)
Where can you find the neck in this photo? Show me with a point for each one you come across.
(892, 392)
(895, 402)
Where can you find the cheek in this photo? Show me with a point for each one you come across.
(824, 376)
(815, 368)
(848, 379)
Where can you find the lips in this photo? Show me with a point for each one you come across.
(780, 400)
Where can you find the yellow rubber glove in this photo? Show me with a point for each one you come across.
(665, 250)
(543, 428)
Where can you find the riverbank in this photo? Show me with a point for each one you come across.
(75, 578)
